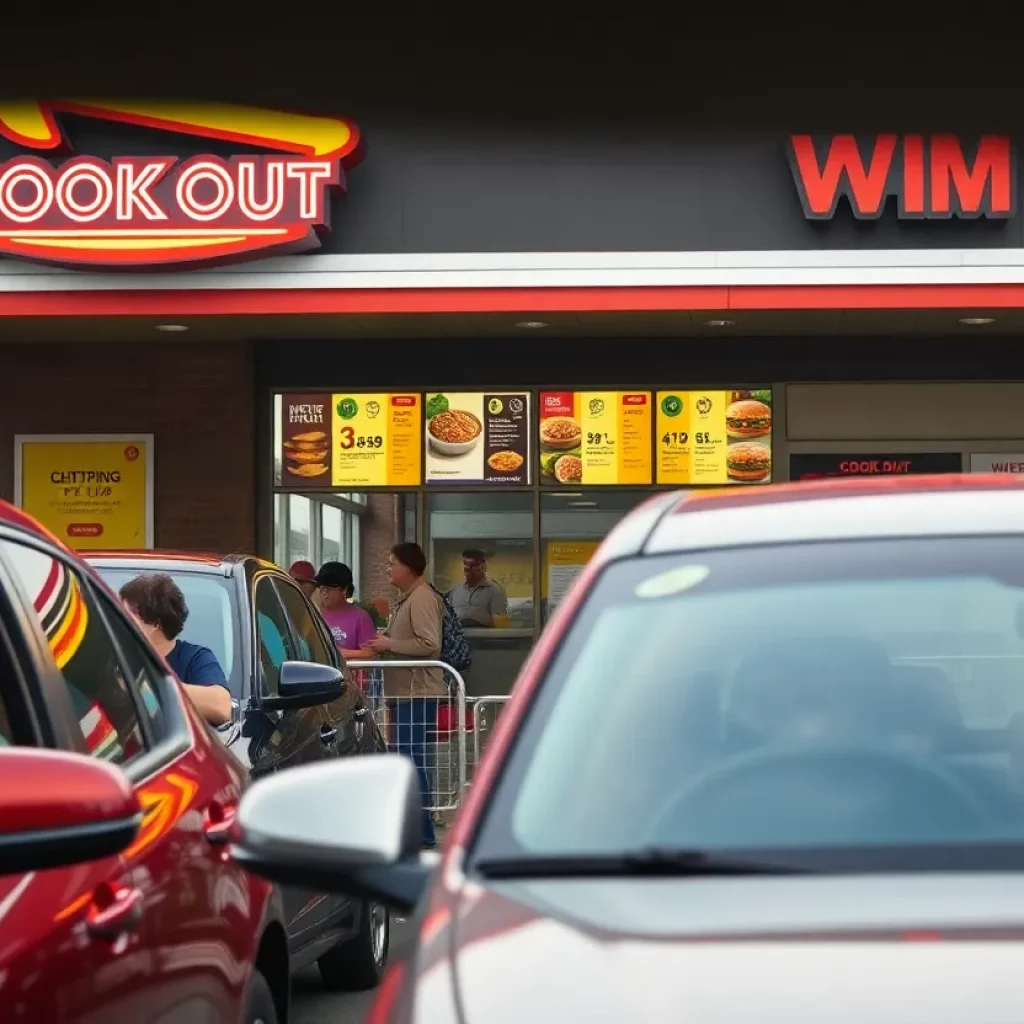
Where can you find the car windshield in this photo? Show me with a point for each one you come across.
(211, 622)
(818, 696)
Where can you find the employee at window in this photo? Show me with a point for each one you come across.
(157, 604)
(479, 599)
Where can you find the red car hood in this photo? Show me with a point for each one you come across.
(895, 950)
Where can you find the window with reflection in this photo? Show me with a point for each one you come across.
(481, 555)
(572, 525)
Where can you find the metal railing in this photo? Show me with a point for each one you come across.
(440, 720)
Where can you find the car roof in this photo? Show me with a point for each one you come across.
(826, 510)
(11, 515)
(176, 561)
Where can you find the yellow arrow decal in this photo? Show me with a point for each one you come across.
(32, 124)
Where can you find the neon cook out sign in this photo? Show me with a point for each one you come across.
(153, 211)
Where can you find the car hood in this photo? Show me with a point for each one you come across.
(940, 948)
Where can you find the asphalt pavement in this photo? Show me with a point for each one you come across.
(312, 1004)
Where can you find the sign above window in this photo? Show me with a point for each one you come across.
(932, 177)
(151, 211)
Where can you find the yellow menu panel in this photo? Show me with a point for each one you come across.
(376, 440)
(595, 437)
(713, 437)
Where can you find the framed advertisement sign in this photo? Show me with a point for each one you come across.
(819, 466)
(92, 490)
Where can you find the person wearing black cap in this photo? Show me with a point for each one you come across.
(350, 625)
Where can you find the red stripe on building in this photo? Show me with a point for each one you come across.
(326, 301)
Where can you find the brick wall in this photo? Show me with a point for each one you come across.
(198, 401)
(378, 534)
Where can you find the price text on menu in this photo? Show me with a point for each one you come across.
(713, 437)
(376, 440)
(595, 437)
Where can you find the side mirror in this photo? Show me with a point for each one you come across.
(62, 809)
(350, 827)
(304, 684)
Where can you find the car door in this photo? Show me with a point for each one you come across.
(201, 918)
(280, 740)
(343, 718)
(107, 927)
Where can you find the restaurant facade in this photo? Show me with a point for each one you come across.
(236, 328)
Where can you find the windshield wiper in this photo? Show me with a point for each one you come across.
(649, 861)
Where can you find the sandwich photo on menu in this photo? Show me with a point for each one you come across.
(748, 418)
(748, 423)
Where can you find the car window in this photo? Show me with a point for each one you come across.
(822, 695)
(309, 639)
(6, 734)
(145, 674)
(274, 637)
(83, 650)
(212, 621)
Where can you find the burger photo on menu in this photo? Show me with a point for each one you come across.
(748, 418)
(748, 462)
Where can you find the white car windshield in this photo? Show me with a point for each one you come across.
(815, 696)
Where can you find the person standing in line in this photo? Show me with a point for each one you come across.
(350, 625)
(479, 599)
(415, 631)
(305, 576)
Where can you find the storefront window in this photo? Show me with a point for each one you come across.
(572, 525)
(299, 528)
(481, 553)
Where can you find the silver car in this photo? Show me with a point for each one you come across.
(766, 762)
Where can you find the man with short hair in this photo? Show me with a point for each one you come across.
(157, 604)
(479, 599)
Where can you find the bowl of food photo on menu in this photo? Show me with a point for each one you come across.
(451, 431)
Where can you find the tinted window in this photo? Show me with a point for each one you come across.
(141, 667)
(276, 643)
(823, 695)
(309, 640)
(211, 622)
(84, 652)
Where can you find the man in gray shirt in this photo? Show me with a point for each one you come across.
(479, 599)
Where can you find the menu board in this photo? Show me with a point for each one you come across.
(714, 437)
(477, 437)
(595, 437)
(817, 467)
(350, 440)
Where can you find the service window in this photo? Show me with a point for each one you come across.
(83, 650)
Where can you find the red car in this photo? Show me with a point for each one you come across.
(766, 762)
(105, 915)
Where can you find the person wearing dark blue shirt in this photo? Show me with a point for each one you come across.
(157, 604)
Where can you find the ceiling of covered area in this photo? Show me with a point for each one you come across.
(794, 323)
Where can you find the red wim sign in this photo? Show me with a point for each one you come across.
(136, 211)
(403, 400)
(634, 399)
(933, 177)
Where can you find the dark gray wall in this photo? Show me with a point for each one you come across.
(514, 129)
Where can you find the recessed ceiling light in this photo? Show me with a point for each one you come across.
(171, 328)
(976, 321)
(720, 323)
(532, 325)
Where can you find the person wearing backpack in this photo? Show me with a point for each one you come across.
(415, 630)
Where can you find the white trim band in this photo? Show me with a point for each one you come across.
(771, 268)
